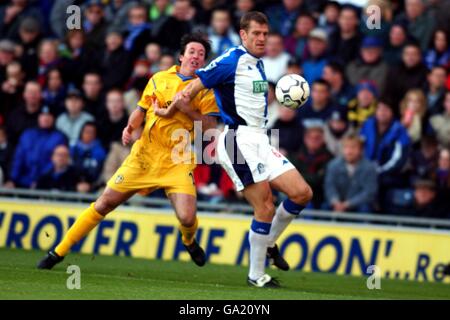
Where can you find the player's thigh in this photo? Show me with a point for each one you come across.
(111, 199)
(185, 206)
(259, 195)
(293, 185)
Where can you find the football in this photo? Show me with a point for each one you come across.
(292, 91)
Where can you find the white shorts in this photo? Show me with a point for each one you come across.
(247, 156)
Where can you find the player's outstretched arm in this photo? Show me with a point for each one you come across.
(134, 121)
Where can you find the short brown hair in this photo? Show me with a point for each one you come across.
(256, 16)
(354, 138)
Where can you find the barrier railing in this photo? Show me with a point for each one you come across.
(341, 217)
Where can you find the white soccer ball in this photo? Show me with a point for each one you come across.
(292, 91)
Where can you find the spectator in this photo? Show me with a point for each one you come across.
(295, 43)
(288, 131)
(54, 92)
(88, 156)
(341, 91)
(116, 63)
(317, 47)
(294, 67)
(12, 87)
(153, 54)
(166, 61)
(34, 150)
(94, 25)
(420, 23)
(328, 20)
(311, 161)
(29, 38)
(177, 25)
(435, 90)
(6, 152)
(159, 10)
(116, 13)
(336, 129)
(92, 94)
(71, 121)
(7, 55)
(61, 176)
(398, 37)
(412, 110)
(351, 180)
(203, 12)
(387, 144)
(427, 203)
(221, 33)
(283, 16)
(241, 8)
(364, 105)
(369, 66)
(440, 123)
(138, 32)
(79, 58)
(344, 43)
(442, 173)
(319, 107)
(439, 52)
(410, 74)
(48, 59)
(25, 116)
(423, 162)
(276, 59)
(111, 126)
(12, 14)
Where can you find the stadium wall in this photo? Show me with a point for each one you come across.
(346, 249)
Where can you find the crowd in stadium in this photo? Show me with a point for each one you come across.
(66, 94)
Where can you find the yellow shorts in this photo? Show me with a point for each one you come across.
(177, 179)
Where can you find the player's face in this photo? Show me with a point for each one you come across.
(255, 38)
(193, 57)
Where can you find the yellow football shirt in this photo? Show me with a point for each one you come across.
(161, 135)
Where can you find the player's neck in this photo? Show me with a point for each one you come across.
(186, 72)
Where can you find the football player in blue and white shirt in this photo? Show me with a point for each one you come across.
(244, 151)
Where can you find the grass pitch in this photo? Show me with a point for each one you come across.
(125, 278)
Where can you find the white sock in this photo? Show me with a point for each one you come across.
(258, 238)
(280, 222)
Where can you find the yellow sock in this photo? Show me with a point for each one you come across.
(188, 233)
(87, 221)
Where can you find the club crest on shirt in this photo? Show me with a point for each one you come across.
(119, 179)
(261, 168)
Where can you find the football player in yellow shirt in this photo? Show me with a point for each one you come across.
(153, 163)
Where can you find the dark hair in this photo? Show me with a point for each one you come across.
(87, 124)
(446, 34)
(255, 16)
(306, 14)
(323, 82)
(195, 37)
(336, 67)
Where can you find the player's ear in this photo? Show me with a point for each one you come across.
(243, 34)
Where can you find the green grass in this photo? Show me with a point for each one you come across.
(125, 278)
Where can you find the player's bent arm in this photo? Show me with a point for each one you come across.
(208, 122)
(134, 121)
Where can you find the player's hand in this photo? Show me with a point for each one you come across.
(126, 135)
(182, 101)
(163, 112)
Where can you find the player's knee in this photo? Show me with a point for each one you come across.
(187, 220)
(103, 205)
(302, 194)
